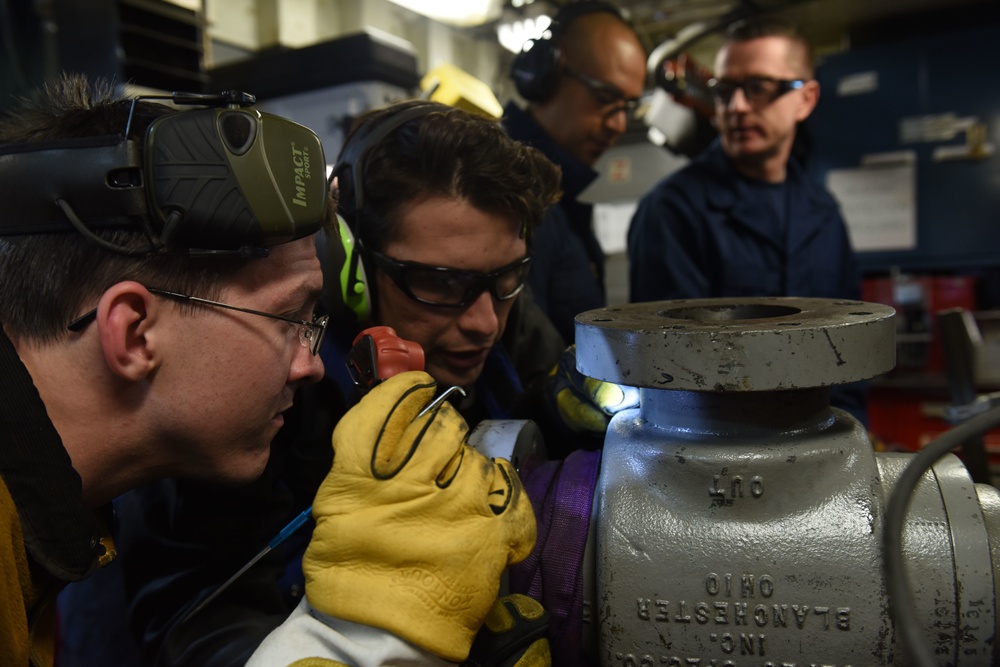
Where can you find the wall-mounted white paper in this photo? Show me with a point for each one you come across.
(879, 204)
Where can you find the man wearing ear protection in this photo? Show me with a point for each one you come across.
(149, 329)
(442, 206)
(581, 82)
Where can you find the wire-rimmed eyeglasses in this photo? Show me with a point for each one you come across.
(310, 333)
(759, 90)
(451, 288)
(606, 94)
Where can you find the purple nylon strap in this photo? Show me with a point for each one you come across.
(561, 494)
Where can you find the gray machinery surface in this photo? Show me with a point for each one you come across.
(739, 519)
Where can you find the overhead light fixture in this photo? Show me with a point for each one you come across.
(514, 34)
(458, 13)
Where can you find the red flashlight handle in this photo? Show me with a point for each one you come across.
(378, 353)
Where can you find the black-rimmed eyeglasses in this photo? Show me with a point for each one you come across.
(759, 90)
(310, 333)
(451, 288)
(606, 94)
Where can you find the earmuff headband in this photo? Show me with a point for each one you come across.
(355, 154)
(104, 182)
(342, 258)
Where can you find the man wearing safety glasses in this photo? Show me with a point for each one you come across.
(743, 219)
(582, 81)
(129, 351)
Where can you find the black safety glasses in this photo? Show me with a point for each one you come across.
(759, 90)
(451, 288)
(608, 95)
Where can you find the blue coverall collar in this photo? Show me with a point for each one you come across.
(576, 175)
(733, 194)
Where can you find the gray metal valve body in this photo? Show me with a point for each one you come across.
(738, 517)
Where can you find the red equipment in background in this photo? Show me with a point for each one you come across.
(908, 407)
(687, 82)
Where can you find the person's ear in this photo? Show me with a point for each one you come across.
(126, 314)
(809, 98)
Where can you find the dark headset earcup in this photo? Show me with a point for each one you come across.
(346, 292)
(535, 70)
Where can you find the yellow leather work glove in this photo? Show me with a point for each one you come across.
(585, 405)
(413, 526)
(515, 634)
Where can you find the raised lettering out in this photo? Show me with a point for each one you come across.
(662, 614)
(733, 486)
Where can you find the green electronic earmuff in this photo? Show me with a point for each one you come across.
(345, 285)
(224, 180)
(353, 281)
(344, 264)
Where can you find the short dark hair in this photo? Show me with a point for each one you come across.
(48, 279)
(758, 27)
(450, 153)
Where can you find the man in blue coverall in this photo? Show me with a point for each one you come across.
(742, 219)
(580, 83)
